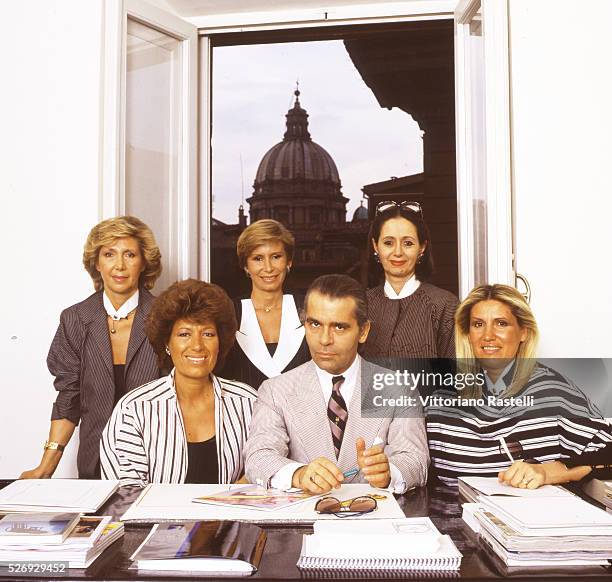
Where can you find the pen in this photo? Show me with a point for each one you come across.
(353, 472)
(505, 448)
(350, 473)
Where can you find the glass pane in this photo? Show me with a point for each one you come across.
(152, 137)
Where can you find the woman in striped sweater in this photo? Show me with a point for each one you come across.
(410, 318)
(190, 426)
(516, 408)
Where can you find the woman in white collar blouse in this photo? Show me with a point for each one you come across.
(270, 337)
(100, 350)
(409, 317)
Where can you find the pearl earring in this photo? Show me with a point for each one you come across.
(376, 257)
(167, 350)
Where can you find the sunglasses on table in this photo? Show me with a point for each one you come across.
(405, 205)
(348, 508)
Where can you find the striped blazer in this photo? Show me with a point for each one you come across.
(81, 359)
(145, 441)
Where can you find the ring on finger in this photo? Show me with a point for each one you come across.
(525, 481)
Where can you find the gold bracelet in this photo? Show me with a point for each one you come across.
(53, 446)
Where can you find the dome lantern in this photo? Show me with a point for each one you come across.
(297, 121)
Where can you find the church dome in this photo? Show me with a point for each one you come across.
(361, 213)
(297, 157)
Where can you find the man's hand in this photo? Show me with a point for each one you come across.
(374, 464)
(523, 475)
(319, 476)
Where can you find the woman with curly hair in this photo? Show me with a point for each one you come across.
(100, 351)
(190, 426)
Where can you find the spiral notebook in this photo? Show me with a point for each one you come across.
(386, 545)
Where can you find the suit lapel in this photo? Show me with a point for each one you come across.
(356, 427)
(98, 328)
(137, 333)
(251, 340)
(309, 414)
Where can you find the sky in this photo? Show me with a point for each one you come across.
(253, 89)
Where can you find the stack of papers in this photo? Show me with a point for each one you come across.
(70, 495)
(546, 531)
(392, 546)
(87, 539)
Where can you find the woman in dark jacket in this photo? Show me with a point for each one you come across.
(100, 350)
(270, 337)
(410, 318)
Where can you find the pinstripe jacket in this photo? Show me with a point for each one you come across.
(145, 442)
(81, 360)
(290, 424)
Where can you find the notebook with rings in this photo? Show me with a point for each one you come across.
(407, 544)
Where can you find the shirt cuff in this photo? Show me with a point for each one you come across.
(397, 485)
(283, 478)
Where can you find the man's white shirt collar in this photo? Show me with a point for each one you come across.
(124, 310)
(351, 375)
(408, 289)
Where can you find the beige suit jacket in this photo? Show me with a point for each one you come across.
(290, 424)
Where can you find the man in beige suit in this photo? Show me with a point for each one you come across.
(307, 428)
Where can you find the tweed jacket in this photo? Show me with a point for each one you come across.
(145, 442)
(418, 326)
(81, 360)
(290, 424)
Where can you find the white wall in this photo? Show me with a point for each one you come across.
(561, 53)
(49, 181)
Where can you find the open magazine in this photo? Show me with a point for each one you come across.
(256, 497)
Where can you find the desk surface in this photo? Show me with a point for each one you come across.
(283, 547)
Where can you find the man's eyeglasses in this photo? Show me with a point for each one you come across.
(348, 508)
(405, 205)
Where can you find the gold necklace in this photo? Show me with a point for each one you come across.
(127, 317)
(266, 308)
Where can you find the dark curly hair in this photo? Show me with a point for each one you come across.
(196, 301)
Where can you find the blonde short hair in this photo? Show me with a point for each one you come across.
(107, 231)
(520, 309)
(262, 232)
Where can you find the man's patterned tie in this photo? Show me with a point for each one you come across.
(337, 413)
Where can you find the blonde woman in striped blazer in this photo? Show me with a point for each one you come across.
(190, 426)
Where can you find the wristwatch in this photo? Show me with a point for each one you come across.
(53, 446)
